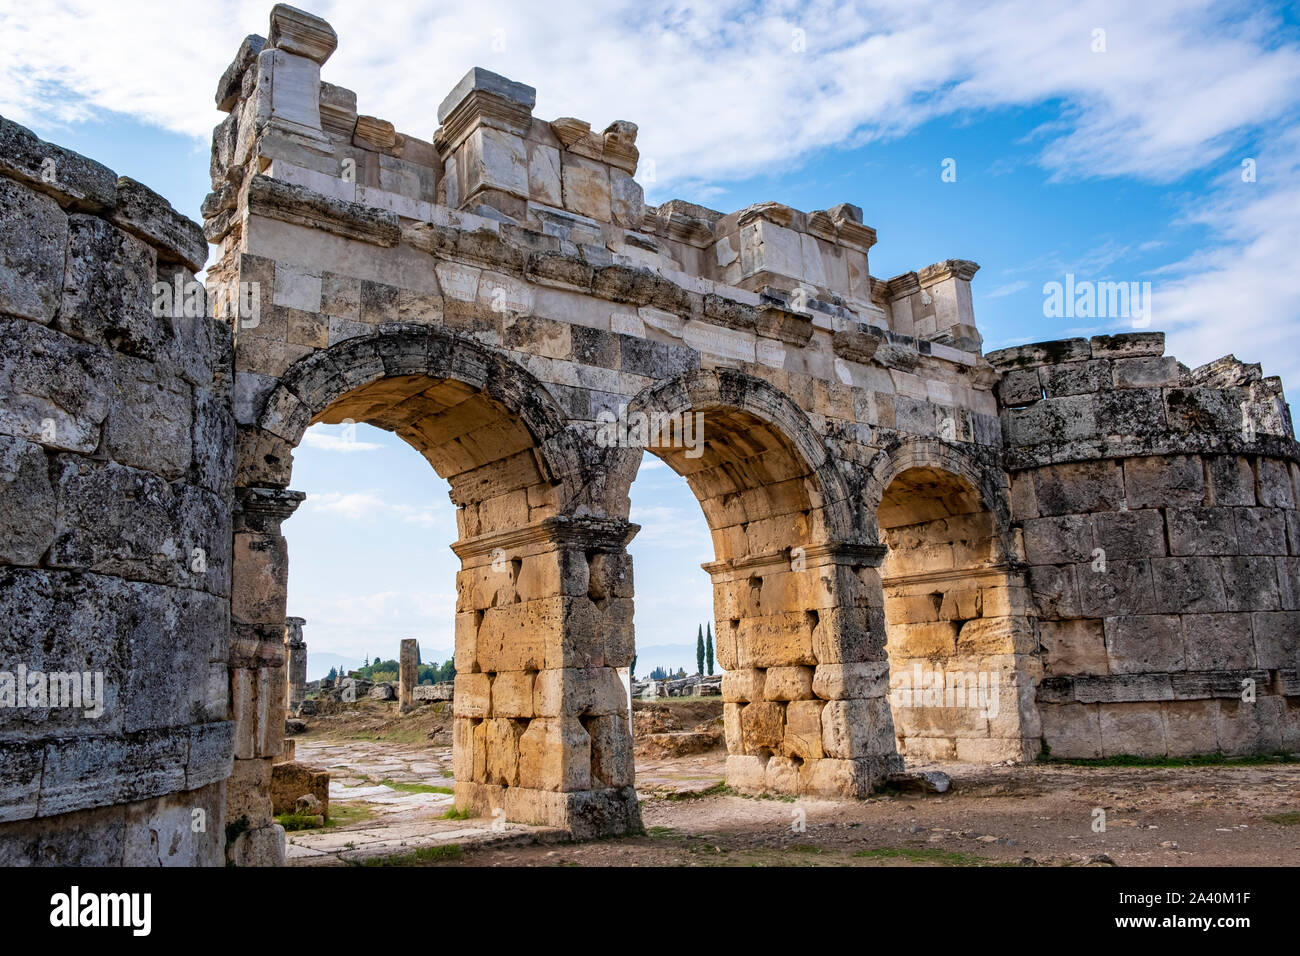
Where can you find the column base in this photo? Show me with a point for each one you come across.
(586, 814)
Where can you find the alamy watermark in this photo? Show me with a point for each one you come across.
(22, 689)
(931, 687)
(1085, 299)
(651, 430)
(190, 298)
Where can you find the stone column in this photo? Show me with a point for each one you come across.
(295, 649)
(408, 663)
(543, 623)
(260, 578)
(801, 637)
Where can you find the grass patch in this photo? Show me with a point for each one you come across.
(1198, 760)
(922, 855)
(805, 848)
(298, 821)
(1289, 819)
(414, 787)
(719, 788)
(660, 831)
(426, 854)
(454, 814)
(343, 813)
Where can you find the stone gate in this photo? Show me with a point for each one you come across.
(1096, 545)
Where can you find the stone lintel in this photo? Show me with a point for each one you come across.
(814, 555)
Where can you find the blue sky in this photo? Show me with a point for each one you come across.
(1114, 164)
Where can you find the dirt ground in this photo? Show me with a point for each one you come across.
(389, 774)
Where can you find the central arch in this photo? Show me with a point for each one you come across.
(797, 599)
(543, 616)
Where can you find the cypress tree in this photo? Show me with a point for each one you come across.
(708, 649)
(699, 652)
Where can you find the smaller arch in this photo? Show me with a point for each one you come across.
(984, 475)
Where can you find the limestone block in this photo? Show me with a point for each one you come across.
(1218, 642)
(1073, 647)
(743, 684)
(1164, 481)
(587, 187)
(1123, 587)
(33, 248)
(472, 695)
(555, 754)
(1145, 643)
(27, 503)
(1058, 540)
(857, 728)
(803, 729)
(852, 680)
(1073, 488)
(611, 751)
(1072, 730)
(626, 199)
(1277, 638)
(1202, 531)
(1055, 591)
(107, 288)
(1187, 585)
(512, 694)
(590, 691)
(503, 743)
(1129, 535)
(1261, 530)
(787, 683)
(1250, 583)
(746, 772)
(762, 726)
(1146, 372)
(1232, 480)
(1134, 728)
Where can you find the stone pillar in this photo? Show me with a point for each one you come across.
(408, 662)
(260, 578)
(295, 672)
(481, 143)
(805, 691)
(543, 623)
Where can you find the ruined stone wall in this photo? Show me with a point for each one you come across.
(115, 502)
(1158, 509)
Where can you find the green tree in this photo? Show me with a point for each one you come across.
(699, 651)
(632, 670)
(708, 649)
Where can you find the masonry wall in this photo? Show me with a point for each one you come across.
(1158, 509)
(115, 503)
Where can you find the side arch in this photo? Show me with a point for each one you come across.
(380, 378)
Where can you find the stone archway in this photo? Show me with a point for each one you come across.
(797, 598)
(962, 642)
(544, 618)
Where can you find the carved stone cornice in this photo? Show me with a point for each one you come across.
(587, 534)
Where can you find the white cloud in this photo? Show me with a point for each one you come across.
(1010, 288)
(717, 88)
(353, 505)
(314, 438)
